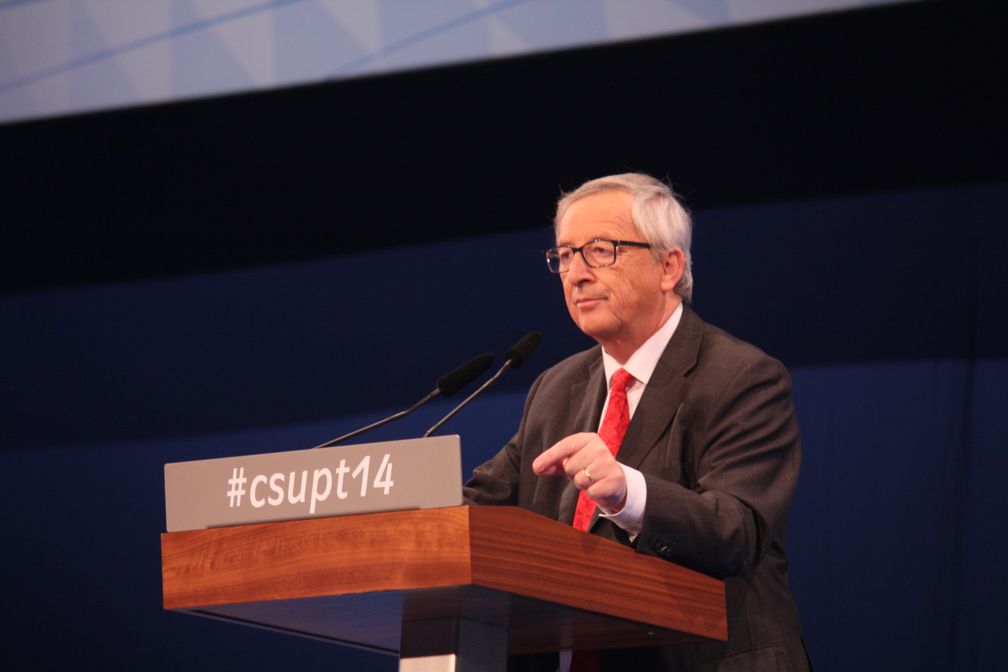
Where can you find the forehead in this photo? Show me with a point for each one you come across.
(606, 214)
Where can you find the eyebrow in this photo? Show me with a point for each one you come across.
(597, 236)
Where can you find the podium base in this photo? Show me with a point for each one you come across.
(453, 645)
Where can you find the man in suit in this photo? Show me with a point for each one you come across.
(695, 461)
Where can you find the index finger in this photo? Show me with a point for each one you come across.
(551, 460)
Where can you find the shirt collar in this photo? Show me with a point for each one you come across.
(643, 361)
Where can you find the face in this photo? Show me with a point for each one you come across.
(622, 305)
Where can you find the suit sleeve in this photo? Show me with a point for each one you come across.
(741, 464)
(496, 481)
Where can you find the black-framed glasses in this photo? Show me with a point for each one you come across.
(597, 253)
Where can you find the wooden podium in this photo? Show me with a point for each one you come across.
(450, 588)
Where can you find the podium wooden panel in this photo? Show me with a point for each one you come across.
(359, 580)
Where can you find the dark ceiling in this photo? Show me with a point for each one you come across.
(872, 100)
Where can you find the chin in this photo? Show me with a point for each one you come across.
(597, 329)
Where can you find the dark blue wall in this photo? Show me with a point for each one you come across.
(886, 307)
(262, 272)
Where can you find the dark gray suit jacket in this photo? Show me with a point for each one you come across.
(716, 438)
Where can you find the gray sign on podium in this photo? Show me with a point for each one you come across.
(318, 482)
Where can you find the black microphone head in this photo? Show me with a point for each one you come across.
(465, 374)
(521, 350)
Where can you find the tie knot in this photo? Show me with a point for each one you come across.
(621, 380)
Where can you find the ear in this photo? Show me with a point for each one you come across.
(673, 265)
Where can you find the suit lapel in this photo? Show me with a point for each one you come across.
(665, 391)
(588, 396)
(586, 399)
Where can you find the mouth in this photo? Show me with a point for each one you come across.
(588, 301)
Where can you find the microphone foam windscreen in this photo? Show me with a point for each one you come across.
(454, 381)
(521, 350)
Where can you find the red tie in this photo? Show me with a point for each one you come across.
(614, 426)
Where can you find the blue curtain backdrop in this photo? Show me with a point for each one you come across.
(887, 308)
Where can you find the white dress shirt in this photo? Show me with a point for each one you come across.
(640, 365)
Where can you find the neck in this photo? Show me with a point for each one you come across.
(622, 350)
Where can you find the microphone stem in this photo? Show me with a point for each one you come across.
(379, 423)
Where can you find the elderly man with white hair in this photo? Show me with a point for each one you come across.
(670, 435)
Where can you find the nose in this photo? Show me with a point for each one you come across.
(579, 270)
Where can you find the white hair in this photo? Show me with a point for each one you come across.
(657, 215)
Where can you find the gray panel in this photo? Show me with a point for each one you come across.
(363, 478)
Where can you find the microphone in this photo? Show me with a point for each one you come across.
(448, 384)
(513, 359)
